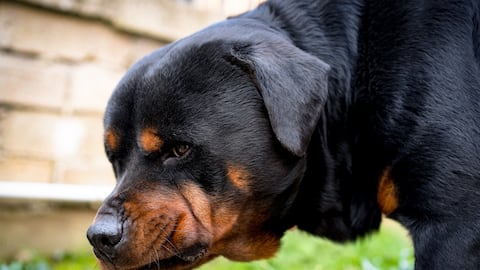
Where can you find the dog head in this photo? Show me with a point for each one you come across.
(207, 138)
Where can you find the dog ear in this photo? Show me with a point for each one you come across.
(293, 85)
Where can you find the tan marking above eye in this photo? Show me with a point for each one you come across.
(387, 193)
(150, 141)
(112, 139)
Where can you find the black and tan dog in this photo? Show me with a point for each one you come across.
(316, 114)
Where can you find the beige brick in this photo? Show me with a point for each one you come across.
(164, 19)
(54, 35)
(94, 172)
(227, 8)
(91, 143)
(44, 230)
(89, 163)
(92, 86)
(43, 135)
(74, 143)
(32, 82)
(85, 7)
(142, 47)
(25, 170)
(28, 134)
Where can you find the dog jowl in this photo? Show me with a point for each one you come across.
(322, 115)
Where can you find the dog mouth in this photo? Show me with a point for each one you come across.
(186, 259)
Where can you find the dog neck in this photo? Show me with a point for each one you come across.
(329, 202)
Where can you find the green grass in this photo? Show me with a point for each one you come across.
(390, 249)
(81, 261)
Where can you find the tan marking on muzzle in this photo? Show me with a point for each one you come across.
(199, 203)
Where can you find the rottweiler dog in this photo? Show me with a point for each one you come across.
(316, 114)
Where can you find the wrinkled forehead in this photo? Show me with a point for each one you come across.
(180, 90)
(187, 70)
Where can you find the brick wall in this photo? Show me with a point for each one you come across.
(56, 74)
(59, 62)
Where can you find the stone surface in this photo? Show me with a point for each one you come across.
(28, 134)
(25, 170)
(32, 82)
(59, 36)
(164, 19)
(91, 86)
(44, 230)
(59, 62)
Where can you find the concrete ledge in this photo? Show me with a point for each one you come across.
(54, 192)
(41, 229)
(46, 217)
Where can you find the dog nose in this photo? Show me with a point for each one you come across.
(104, 235)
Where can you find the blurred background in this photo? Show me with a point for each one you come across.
(59, 62)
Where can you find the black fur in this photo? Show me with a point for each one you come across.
(316, 98)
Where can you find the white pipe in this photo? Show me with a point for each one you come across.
(54, 192)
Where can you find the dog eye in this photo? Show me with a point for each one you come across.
(180, 150)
